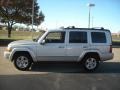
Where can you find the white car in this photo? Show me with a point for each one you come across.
(88, 46)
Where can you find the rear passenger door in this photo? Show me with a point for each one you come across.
(78, 41)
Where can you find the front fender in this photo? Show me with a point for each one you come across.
(23, 49)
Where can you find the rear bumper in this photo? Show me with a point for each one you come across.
(106, 57)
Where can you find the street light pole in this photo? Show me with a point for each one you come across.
(89, 19)
(33, 14)
(92, 20)
(89, 15)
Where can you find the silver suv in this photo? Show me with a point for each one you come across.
(86, 45)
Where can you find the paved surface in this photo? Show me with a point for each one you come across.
(63, 76)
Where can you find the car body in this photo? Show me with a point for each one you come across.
(86, 45)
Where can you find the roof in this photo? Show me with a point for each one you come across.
(94, 28)
(73, 28)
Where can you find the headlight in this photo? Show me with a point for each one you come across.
(8, 49)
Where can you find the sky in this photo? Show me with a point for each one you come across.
(105, 13)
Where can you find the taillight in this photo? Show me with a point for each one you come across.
(110, 49)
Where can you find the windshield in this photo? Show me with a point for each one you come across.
(39, 35)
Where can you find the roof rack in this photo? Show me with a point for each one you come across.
(94, 28)
(98, 28)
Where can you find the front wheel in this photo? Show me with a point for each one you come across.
(90, 63)
(22, 62)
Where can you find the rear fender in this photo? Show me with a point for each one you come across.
(88, 52)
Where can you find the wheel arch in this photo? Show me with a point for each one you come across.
(93, 54)
(22, 51)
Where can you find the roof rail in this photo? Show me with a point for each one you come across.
(94, 28)
(98, 28)
(72, 27)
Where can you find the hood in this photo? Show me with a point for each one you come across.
(23, 42)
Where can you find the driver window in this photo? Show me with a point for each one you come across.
(55, 37)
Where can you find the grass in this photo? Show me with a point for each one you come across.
(115, 38)
(18, 35)
(26, 35)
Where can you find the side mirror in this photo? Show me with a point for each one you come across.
(42, 42)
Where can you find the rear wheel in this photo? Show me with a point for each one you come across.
(22, 62)
(90, 63)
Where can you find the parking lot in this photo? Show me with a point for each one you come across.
(60, 76)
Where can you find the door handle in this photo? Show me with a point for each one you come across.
(61, 47)
(85, 46)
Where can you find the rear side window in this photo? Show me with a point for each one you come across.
(77, 37)
(98, 37)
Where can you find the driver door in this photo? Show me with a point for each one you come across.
(54, 48)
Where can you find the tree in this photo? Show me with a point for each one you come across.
(19, 11)
(38, 19)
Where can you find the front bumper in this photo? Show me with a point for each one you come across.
(7, 55)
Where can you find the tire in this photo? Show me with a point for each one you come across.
(90, 63)
(22, 62)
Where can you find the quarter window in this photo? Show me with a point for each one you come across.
(98, 37)
(78, 37)
(55, 37)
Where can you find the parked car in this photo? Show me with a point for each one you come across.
(87, 46)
